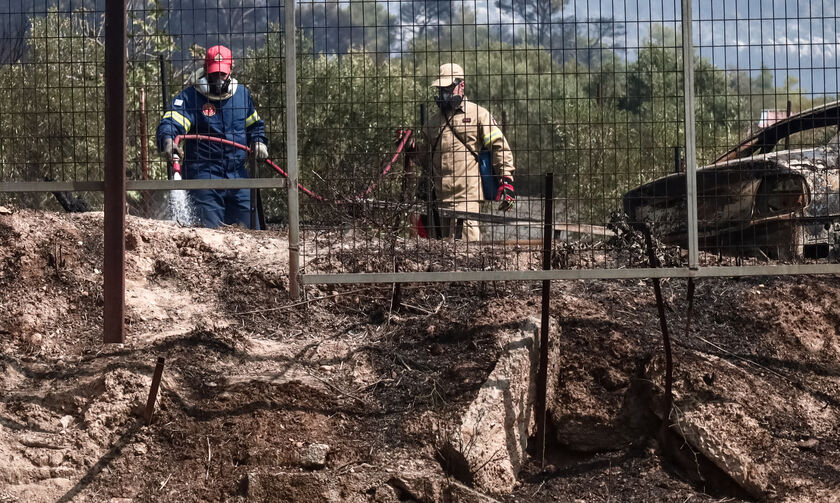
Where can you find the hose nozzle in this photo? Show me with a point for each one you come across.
(176, 167)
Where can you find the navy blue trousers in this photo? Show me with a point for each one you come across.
(216, 207)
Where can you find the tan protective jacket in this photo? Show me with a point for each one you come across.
(454, 169)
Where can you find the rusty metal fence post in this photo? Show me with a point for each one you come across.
(115, 135)
(144, 152)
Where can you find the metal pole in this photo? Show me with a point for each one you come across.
(164, 85)
(787, 129)
(144, 151)
(542, 372)
(690, 137)
(292, 150)
(677, 160)
(114, 238)
(153, 391)
(253, 196)
(164, 95)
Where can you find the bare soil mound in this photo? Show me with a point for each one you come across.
(344, 397)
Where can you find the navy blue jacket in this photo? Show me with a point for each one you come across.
(233, 118)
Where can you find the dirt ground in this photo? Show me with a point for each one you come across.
(343, 397)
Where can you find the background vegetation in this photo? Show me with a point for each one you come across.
(602, 119)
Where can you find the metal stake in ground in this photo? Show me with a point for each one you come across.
(666, 338)
(542, 373)
(690, 297)
(150, 403)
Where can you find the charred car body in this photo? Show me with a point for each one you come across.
(762, 198)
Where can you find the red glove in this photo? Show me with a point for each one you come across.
(506, 196)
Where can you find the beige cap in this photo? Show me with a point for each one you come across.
(448, 73)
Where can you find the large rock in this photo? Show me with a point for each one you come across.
(731, 433)
(486, 449)
(717, 432)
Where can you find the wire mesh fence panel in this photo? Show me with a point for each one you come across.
(767, 132)
(210, 78)
(493, 95)
(53, 94)
(425, 129)
(52, 59)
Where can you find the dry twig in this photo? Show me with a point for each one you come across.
(719, 348)
(209, 457)
(336, 388)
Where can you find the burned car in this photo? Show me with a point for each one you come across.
(776, 195)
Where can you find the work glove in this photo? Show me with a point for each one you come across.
(259, 151)
(170, 149)
(505, 195)
(399, 134)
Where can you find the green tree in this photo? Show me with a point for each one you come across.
(148, 37)
(348, 109)
(538, 16)
(419, 17)
(52, 118)
(53, 126)
(360, 25)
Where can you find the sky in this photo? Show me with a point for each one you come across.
(795, 38)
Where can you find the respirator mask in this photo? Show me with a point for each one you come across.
(447, 99)
(218, 83)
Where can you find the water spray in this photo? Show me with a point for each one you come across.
(179, 201)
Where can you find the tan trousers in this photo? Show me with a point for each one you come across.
(460, 229)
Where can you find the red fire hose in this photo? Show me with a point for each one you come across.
(405, 135)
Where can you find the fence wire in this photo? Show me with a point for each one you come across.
(544, 92)
(767, 132)
(592, 92)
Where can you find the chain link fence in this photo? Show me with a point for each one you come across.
(713, 127)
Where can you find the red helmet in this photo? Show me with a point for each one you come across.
(218, 59)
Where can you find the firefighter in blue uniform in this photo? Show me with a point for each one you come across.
(217, 105)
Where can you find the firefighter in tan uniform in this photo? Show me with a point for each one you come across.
(452, 138)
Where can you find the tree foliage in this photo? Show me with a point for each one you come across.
(423, 16)
(51, 126)
(349, 108)
(601, 120)
(538, 16)
(359, 25)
